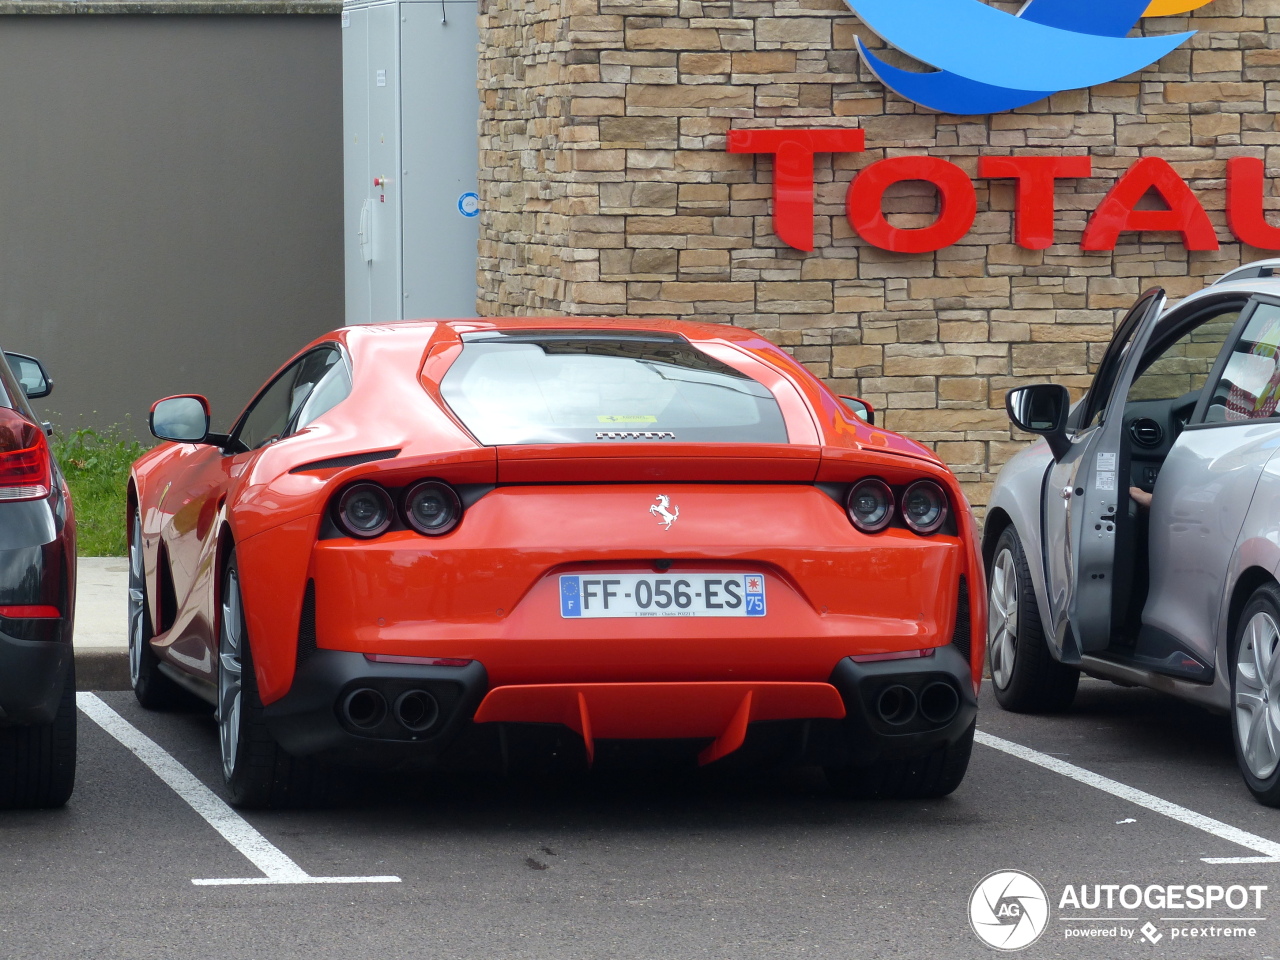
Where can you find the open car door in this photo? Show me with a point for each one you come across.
(1085, 489)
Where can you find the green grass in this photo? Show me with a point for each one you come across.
(96, 464)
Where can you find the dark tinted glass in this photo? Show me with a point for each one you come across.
(588, 388)
(273, 412)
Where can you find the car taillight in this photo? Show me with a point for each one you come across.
(924, 507)
(364, 511)
(26, 471)
(421, 661)
(870, 505)
(432, 507)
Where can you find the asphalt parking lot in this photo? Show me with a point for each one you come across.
(686, 865)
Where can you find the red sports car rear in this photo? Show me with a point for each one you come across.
(505, 541)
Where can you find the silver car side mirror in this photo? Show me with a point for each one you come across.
(1042, 408)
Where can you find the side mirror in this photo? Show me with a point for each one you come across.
(182, 419)
(1042, 409)
(861, 408)
(30, 373)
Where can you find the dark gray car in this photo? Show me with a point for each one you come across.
(37, 601)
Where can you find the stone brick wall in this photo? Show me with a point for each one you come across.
(607, 190)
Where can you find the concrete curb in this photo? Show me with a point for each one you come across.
(99, 668)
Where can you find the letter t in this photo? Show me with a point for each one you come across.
(793, 152)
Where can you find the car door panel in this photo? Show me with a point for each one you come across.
(1198, 510)
(1083, 491)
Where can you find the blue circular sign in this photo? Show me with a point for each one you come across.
(469, 204)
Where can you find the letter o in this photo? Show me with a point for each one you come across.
(1230, 898)
(1137, 896)
(959, 204)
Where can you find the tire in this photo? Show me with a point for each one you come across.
(153, 689)
(927, 776)
(258, 773)
(1024, 674)
(38, 763)
(1255, 694)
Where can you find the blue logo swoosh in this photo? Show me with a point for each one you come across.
(988, 60)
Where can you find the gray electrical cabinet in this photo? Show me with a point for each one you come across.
(409, 115)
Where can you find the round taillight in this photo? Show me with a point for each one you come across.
(870, 505)
(364, 511)
(432, 507)
(924, 507)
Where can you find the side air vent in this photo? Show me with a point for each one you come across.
(960, 636)
(307, 625)
(350, 460)
(1146, 432)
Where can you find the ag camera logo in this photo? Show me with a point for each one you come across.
(1008, 910)
(987, 61)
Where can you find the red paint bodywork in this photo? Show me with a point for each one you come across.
(487, 590)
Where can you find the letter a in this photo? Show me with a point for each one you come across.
(1116, 213)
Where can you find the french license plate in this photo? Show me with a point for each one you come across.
(643, 595)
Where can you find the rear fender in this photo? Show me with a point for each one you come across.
(273, 569)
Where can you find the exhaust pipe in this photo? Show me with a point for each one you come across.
(939, 702)
(364, 708)
(417, 710)
(896, 704)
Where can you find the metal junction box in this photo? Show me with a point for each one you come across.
(409, 114)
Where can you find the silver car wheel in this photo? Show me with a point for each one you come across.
(137, 604)
(230, 658)
(1002, 621)
(1258, 695)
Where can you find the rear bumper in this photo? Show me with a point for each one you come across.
(32, 674)
(768, 722)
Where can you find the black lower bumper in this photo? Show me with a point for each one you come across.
(308, 720)
(868, 736)
(32, 675)
(311, 720)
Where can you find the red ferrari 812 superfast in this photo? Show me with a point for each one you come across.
(525, 542)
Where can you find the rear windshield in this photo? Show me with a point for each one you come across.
(557, 387)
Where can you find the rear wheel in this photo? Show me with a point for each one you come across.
(1255, 695)
(258, 773)
(1025, 676)
(38, 763)
(922, 777)
(153, 689)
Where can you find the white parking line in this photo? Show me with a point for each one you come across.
(1269, 849)
(234, 828)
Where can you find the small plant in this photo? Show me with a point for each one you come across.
(96, 464)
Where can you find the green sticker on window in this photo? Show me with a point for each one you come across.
(604, 418)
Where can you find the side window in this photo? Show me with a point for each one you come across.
(333, 388)
(274, 411)
(1183, 366)
(1249, 388)
(1094, 405)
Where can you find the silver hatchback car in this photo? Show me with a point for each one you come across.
(1139, 540)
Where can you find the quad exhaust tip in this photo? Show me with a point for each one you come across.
(939, 702)
(416, 710)
(365, 708)
(896, 705)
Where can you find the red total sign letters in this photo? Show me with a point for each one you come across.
(1034, 208)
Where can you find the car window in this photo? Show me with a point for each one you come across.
(1249, 388)
(273, 413)
(1184, 365)
(333, 387)
(1094, 404)
(582, 387)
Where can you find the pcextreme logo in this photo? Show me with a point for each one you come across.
(988, 61)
